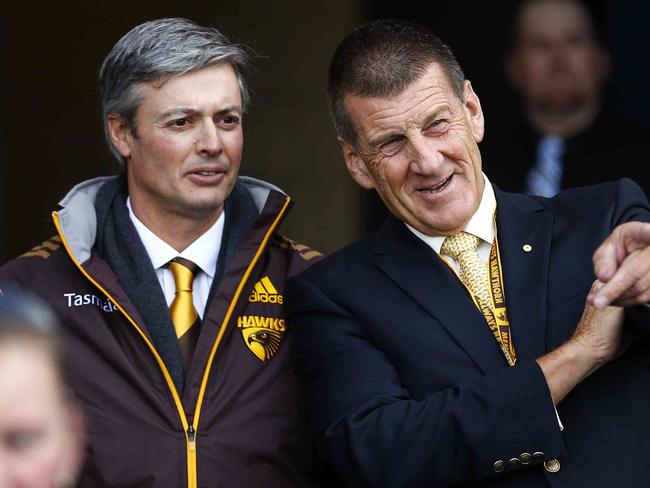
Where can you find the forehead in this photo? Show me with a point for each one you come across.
(28, 377)
(215, 83)
(430, 94)
(552, 17)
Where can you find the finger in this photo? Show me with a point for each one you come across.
(630, 273)
(606, 259)
(625, 239)
(637, 293)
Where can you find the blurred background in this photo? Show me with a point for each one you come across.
(51, 131)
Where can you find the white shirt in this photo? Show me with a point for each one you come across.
(483, 226)
(203, 252)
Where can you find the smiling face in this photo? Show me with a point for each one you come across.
(184, 153)
(419, 150)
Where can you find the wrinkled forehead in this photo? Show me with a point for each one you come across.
(429, 94)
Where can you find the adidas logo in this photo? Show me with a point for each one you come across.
(265, 292)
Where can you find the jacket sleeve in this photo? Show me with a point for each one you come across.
(375, 434)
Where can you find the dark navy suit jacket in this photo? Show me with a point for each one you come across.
(408, 387)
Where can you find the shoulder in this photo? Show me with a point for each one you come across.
(603, 197)
(601, 206)
(25, 267)
(298, 256)
(343, 264)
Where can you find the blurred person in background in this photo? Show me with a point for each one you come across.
(569, 134)
(41, 425)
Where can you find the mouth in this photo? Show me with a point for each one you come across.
(436, 188)
(207, 175)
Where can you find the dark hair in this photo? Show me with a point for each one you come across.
(380, 59)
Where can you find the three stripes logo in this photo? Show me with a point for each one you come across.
(265, 292)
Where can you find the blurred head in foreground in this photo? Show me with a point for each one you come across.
(41, 427)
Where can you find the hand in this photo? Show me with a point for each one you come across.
(600, 332)
(622, 263)
(596, 341)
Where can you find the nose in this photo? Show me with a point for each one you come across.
(208, 140)
(424, 156)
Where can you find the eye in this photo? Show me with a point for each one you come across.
(180, 122)
(392, 145)
(230, 121)
(21, 440)
(438, 126)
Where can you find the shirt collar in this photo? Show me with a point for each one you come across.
(203, 252)
(481, 224)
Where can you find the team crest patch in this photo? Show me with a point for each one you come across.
(262, 335)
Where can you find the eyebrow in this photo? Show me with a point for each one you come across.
(386, 136)
(191, 111)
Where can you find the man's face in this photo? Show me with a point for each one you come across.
(40, 432)
(183, 155)
(419, 150)
(557, 64)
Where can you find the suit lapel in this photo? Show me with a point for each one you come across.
(421, 274)
(520, 222)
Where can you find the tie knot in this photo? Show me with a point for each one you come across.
(184, 272)
(454, 246)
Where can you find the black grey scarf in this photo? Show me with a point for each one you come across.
(119, 244)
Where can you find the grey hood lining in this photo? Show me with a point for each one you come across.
(78, 220)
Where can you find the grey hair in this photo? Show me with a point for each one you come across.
(157, 51)
(381, 59)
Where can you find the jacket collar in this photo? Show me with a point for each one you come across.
(78, 219)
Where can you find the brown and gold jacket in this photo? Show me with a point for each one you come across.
(239, 420)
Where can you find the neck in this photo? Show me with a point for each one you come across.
(562, 122)
(177, 231)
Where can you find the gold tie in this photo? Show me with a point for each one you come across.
(473, 271)
(184, 315)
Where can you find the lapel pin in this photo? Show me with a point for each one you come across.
(527, 248)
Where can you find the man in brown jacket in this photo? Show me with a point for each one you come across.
(169, 279)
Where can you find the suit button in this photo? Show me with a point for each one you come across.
(525, 457)
(499, 466)
(552, 465)
(538, 456)
(514, 462)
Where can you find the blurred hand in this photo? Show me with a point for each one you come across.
(622, 264)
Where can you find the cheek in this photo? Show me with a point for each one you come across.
(234, 145)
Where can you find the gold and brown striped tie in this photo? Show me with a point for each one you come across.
(184, 316)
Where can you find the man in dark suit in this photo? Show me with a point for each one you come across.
(468, 341)
(569, 134)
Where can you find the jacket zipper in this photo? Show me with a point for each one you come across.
(190, 429)
(191, 446)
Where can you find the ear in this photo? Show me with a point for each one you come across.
(356, 166)
(474, 111)
(120, 134)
